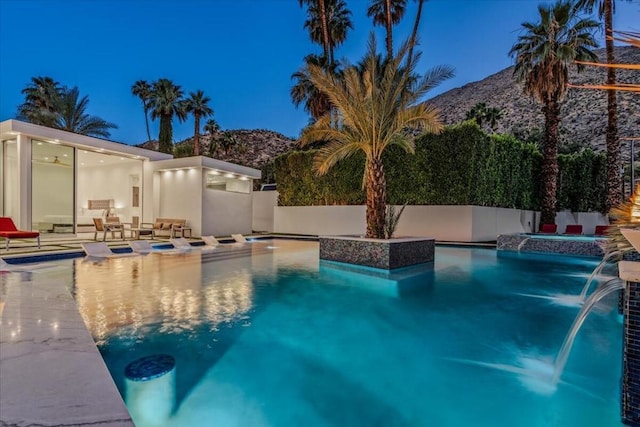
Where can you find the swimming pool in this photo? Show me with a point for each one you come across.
(264, 335)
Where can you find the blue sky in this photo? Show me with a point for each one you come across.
(241, 53)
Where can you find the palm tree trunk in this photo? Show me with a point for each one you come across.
(146, 120)
(165, 139)
(549, 171)
(614, 181)
(196, 136)
(389, 29)
(325, 28)
(376, 187)
(414, 33)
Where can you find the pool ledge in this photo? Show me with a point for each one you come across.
(51, 370)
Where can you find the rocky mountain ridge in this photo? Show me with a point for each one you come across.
(584, 113)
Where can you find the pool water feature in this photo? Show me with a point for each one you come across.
(268, 336)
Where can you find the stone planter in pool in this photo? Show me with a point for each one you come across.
(386, 254)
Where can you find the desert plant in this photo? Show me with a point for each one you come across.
(391, 220)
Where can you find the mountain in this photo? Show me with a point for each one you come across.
(584, 111)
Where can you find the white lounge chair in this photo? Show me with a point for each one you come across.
(6, 267)
(141, 246)
(101, 250)
(239, 238)
(210, 241)
(181, 244)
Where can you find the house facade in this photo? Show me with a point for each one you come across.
(55, 182)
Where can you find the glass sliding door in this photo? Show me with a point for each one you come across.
(10, 189)
(52, 187)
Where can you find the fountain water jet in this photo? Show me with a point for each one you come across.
(597, 271)
(612, 285)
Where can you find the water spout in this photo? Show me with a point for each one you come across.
(597, 271)
(610, 286)
(521, 245)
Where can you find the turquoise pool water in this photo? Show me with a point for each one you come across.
(266, 336)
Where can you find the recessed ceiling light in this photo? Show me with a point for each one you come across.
(229, 175)
(81, 164)
(65, 155)
(121, 158)
(46, 158)
(101, 161)
(84, 152)
(39, 143)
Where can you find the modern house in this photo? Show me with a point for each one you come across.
(56, 182)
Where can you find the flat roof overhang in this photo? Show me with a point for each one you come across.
(9, 129)
(206, 163)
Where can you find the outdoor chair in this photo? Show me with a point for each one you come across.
(239, 238)
(548, 228)
(9, 231)
(181, 243)
(109, 227)
(602, 230)
(573, 229)
(101, 250)
(136, 231)
(210, 241)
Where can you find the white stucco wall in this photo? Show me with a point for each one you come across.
(180, 197)
(264, 203)
(444, 223)
(319, 220)
(224, 213)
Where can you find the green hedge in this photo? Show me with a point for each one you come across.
(460, 166)
(582, 181)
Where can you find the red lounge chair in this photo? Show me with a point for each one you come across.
(548, 228)
(573, 229)
(9, 231)
(602, 230)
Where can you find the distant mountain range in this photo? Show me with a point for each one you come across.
(584, 112)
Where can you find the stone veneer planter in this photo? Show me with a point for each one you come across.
(386, 254)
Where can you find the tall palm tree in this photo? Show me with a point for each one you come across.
(338, 22)
(72, 116)
(165, 102)
(42, 97)
(606, 8)
(324, 25)
(316, 103)
(414, 33)
(142, 90)
(198, 105)
(478, 113)
(212, 128)
(543, 54)
(492, 116)
(372, 112)
(387, 13)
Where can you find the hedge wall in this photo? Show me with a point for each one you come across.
(460, 166)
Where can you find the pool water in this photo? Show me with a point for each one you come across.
(265, 335)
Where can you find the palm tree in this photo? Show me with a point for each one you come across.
(322, 18)
(387, 13)
(478, 113)
(543, 54)
(304, 91)
(606, 9)
(372, 113)
(338, 23)
(165, 102)
(492, 115)
(72, 116)
(212, 128)
(142, 90)
(42, 97)
(198, 105)
(414, 33)
(228, 141)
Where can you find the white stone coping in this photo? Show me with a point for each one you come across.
(393, 240)
(51, 370)
(629, 271)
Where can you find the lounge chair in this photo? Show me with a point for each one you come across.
(602, 230)
(101, 250)
(181, 243)
(6, 267)
(9, 231)
(109, 227)
(548, 228)
(141, 246)
(239, 238)
(210, 241)
(573, 229)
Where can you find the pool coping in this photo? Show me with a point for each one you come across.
(52, 372)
